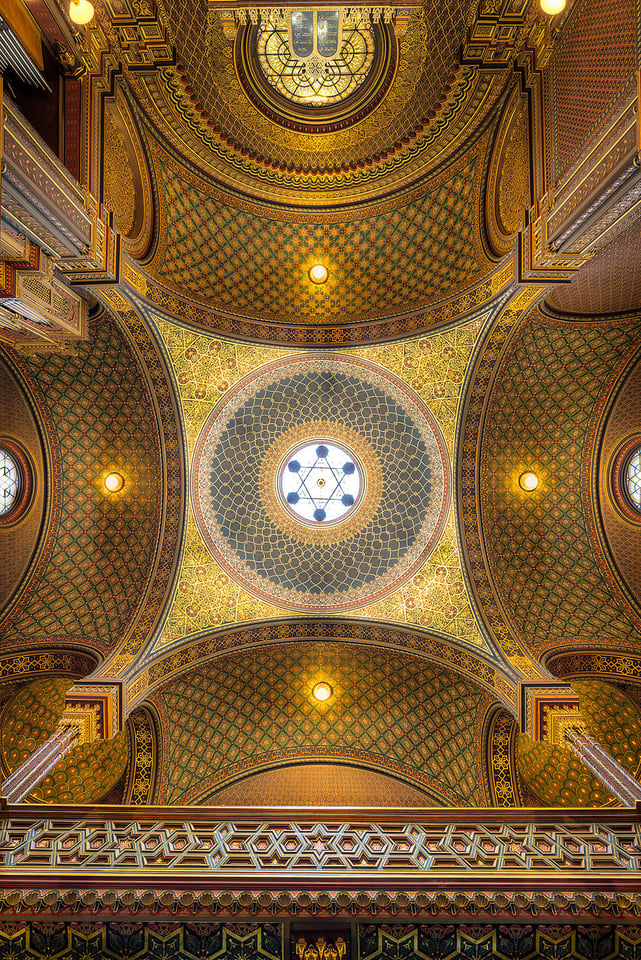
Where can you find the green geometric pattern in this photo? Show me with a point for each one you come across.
(507, 941)
(101, 548)
(541, 418)
(385, 264)
(613, 720)
(555, 774)
(86, 774)
(127, 940)
(402, 715)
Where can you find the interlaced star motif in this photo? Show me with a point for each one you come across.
(321, 482)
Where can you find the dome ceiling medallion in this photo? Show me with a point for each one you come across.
(320, 515)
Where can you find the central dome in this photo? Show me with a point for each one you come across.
(320, 515)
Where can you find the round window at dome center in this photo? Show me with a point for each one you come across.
(321, 482)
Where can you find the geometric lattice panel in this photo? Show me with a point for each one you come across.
(206, 849)
(400, 715)
(541, 417)
(513, 940)
(593, 63)
(126, 940)
(100, 548)
(381, 262)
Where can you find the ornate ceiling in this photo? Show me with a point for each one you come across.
(211, 374)
(427, 63)
(546, 562)
(87, 578)
(480, 319)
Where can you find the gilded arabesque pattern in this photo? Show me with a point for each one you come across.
(206, 368)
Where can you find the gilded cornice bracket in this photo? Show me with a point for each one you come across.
(141, 35)
(538, 262)
(500, 30)
(95, 708)
(547, 710)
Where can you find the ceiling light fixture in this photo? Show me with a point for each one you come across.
(552, 7)
(114, 482)
(528, 481)
(322, 691)
(81, 11)
(318, 273)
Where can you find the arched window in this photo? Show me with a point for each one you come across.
(16, 481)
(10, 481)
(625, 479)
(631, 479)
(315, 84)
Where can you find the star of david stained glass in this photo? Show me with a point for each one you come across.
(321, 481)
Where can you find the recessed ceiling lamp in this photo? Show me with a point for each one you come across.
(322, 691)
(81, 11)
(318, 273)
(114, 482)
(552, 7)
(528, 481)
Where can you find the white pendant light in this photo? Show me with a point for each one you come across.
(552, 7)
(81, 11)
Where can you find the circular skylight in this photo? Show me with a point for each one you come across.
(320, 482)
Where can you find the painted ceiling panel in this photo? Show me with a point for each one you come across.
(399, 715)
(542, 547)
(322, 785)
(610, 283)
(99, 551)
(206, 369)
(427, 58)
(383, 261)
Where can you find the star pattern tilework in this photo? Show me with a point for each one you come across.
(434, 367)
